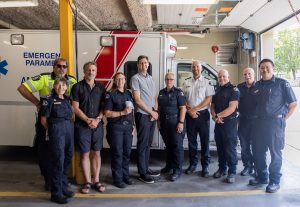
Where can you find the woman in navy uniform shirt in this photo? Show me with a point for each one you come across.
(56, 117)
(171, 109)
(118, 110)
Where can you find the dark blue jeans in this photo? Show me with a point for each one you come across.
(145, 132)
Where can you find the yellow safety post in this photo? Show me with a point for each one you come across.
(66, 33)
(66, 47)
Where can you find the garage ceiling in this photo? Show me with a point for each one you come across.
(105, 15)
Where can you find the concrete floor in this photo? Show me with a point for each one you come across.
(21, 185)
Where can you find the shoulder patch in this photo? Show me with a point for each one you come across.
(36, 78)
(287, 84)
(107, 96)
(45, 103)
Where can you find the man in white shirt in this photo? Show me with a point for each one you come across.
(198, 92)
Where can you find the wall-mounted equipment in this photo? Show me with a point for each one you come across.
(247, 40)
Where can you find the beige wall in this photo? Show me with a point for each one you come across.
(200, 48)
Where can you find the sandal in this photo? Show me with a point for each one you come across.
(99, 187)
(86, 188)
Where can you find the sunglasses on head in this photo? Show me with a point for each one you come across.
(61, 66)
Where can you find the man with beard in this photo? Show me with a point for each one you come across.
(88, 101)
(43, 84)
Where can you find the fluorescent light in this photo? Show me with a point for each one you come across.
(179, 1)
(18, 3)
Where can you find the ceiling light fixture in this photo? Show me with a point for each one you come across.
(179, 1)
(18, 3)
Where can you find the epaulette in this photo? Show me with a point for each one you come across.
(45, 73)
(188, 78)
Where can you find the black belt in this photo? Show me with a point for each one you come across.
(204, 110)
(272, 117)
(248, 117)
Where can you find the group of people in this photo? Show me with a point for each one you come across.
(254, 111)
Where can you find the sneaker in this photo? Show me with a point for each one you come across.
(230, 178)
(152, 173)
(272, 188)
(257, 182)
(219, 173)
(146, 178)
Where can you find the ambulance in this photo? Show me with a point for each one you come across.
(24, 54)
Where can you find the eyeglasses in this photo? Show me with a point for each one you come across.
(61, 66)
(169, 79)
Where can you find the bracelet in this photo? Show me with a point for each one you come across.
(181, 122)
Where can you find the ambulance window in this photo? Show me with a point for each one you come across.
(130, 69)
(184, 71)
(207, 73)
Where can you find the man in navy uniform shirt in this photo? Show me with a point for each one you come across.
(224, 112)
(275, 103)
(246, 116)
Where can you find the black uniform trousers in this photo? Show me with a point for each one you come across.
(245, 134)
(119, 138)
(268, 134)
(200, 126)
(174, 143)
(145, 132)
(43, 150)
(226, 141)
(61, 142)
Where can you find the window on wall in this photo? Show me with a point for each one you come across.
(227, 54)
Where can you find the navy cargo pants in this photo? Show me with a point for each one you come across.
(61, 142)
(268, 134)
(226, 141)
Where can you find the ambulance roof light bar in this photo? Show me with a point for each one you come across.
(179, 1)
(18, 3)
